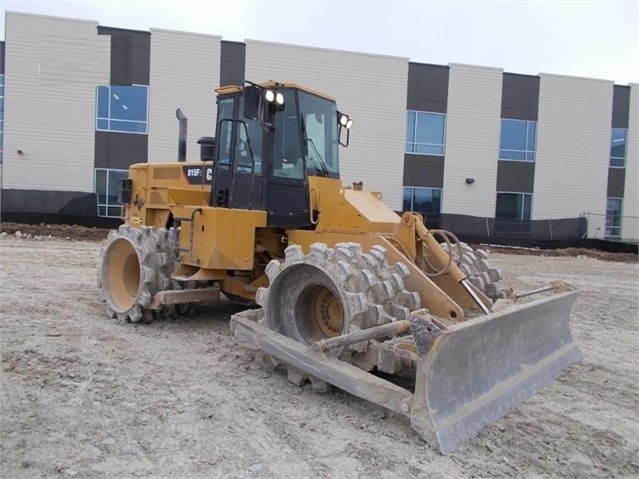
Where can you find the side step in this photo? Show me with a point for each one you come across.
(180, 296)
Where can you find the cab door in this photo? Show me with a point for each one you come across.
(238, 173)
(287, 186)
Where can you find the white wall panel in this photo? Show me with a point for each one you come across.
(369, 88)
(52, 68)
(630, 225)
(472, 140)
(573, 149)
(184, 73)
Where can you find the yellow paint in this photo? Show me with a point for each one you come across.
(350, 210)
(222, 238)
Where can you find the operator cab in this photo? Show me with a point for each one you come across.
(269, 139)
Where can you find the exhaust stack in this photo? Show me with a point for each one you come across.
(182, 134)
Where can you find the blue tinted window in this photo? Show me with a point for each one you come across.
(128, 103)
(127, 126)
(618, 147)
(106, 187)
(122, 108)
(425, 133)
(426, 201)
(517, 140)
(613, 216)
(102, 107)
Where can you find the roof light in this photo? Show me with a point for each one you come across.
(279, 98)
(349, 124)
(269, 96)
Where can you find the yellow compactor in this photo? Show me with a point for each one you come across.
(351, 293)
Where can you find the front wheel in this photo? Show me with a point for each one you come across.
(333, 291)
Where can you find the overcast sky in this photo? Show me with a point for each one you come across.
(597, 39)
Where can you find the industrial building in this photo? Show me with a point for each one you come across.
(498, 152)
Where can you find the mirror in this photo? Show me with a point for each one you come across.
(252, 101)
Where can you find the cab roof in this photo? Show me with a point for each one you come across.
(225, 90)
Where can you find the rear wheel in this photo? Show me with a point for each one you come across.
(135, 264)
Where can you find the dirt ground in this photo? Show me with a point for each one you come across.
(84, 396)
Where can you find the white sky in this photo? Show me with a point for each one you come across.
(596, 39)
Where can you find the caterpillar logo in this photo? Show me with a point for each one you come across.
(193, 174)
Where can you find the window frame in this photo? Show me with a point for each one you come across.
(107, 205)
(513, 226)
(414, 134)
(620, 227)
(109, 119)
(625, 149)
(525, 151)
(412, 200)
(523, 205)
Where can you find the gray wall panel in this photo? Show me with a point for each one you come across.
(427, 87)
(616, 182)
(140, 59)
(424, 170)
(472, 140)
(185, 71)
(233, 63)
(130, 55)
(120, 150)
(520, 97)
(573, 149)
(620, 106)
(515, 176)
(50, 101)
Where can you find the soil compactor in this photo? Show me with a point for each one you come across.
(351, 293)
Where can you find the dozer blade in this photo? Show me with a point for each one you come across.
(479, 370)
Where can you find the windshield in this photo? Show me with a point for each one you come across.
(305, 136)
(319, 117)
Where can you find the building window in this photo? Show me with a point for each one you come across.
(1, 114)
(107, 187)
(122, 109)
(512, 213)
(618, 147)
(426, 201)
(513, 206)
(613, 216)
(518, 139)
(425, 133)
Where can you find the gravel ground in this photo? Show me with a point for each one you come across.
(84, 396)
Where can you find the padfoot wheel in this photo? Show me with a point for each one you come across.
(334, 291)
(135, 264)
(474, 264)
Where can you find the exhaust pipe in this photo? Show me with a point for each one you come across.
(182, 134)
